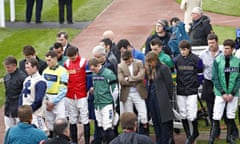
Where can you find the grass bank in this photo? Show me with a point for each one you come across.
(83, 10)
(225, 7)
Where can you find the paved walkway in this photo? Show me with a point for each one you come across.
(79, 25)
(134, 20)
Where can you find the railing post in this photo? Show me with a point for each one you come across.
(2, 14)
(12, 10)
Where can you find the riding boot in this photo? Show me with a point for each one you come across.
(99, 134)
(108, 135)
(230, 129)
(214, 129)
(186, 129)
(86, 128)
(218, 130)
(74, 133)
(170, 133)
(143, 129)
(50, 135)
(238, 114)
(234, 131)
(193, 131)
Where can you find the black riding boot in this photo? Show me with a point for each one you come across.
(231, 138)
(170, 132)
(213, 132)
(99, 132)
(74, 133)
(239, 114)
(218, 130)
(86, 128)
(194, 134)
(143, 129)
(50, 135)
(109, 135)
(186, 129)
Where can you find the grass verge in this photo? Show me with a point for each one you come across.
(83, 10)
(13, 40)
(225, 7)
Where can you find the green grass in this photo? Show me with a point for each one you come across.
(13, 40)
(222, 6)
(225, 7)
(224, 32)
(83, 10)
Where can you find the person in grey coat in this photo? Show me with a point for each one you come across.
(160, 91)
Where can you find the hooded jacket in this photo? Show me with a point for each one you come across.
(178, 34)
(199, 31)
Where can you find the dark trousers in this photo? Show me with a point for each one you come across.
(101, 136)
(97, 133)
(163, 130)
(209, 96)
(29, 10)
(61, 5)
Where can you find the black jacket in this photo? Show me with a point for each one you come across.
(41, 65)
(111, 62)
(199, 31)
(188, 73)
(131, 138)
(164, 40)
(59, 139)
(163, 86)
(116, 52)
(13, 86)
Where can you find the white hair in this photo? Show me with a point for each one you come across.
(197, 10)
(99, 50)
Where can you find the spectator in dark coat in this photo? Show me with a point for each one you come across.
(61, 7)
(107, 44)
(110, 35)
(61, 131)
(199, 28)
(128, 122)
(160, 91)
(38, 11)
(30, 52)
